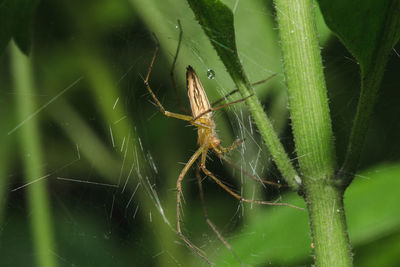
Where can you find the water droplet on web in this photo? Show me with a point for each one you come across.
(210, 74)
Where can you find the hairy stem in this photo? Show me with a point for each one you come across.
(269, 135)
(312, 131)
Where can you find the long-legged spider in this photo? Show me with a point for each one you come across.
(207, 139)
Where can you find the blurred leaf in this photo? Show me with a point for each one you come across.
(92, 147)
(15, 20)
(382, 252)
(272, 237)
(362, 26)
(370, 203)
(89, 233)
(32, 155)
(82, 237)
(7, 157)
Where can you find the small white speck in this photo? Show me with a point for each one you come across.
(115, 103)
(297, 179)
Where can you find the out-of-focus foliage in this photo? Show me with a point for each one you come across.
(16, 20)
(105, 130)
(364, 37)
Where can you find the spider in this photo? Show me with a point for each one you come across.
(207, 139)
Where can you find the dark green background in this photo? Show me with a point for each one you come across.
(110, 44)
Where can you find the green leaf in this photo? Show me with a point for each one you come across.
(216, 20)
(271, 237)
(15, 20)
(371, 211)
(371, 204)
(362, 26)
(369, 29)
(381, 252)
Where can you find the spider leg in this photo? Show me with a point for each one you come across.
(194, 157)
(172, 71)
(221, 106)
(221, 150)
(188, 118)
(209, 222)
(237, 90)
(158, 103)
(214, 107)
(235, 195)
(257, 179)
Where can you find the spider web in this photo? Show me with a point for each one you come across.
(112, 160)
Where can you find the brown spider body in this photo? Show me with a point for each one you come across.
(201, 111)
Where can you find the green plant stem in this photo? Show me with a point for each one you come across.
(371, 80)
(312, 131)
(30, 150)
(268, 133)
(308, 99)
(328, 224)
